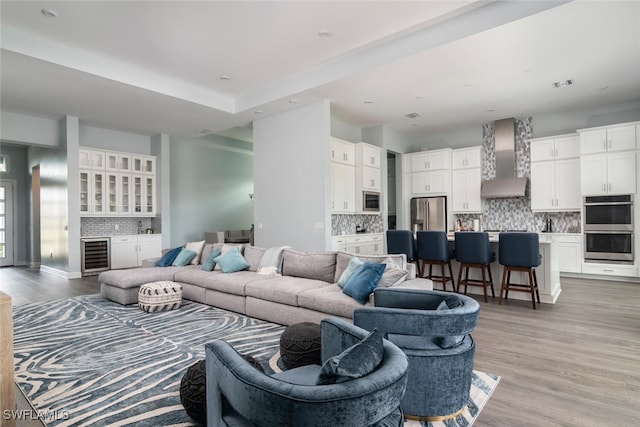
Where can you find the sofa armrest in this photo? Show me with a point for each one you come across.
(150, 262)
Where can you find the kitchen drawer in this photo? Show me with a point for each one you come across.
(610, 269)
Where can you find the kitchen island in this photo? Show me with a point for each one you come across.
(547, 272)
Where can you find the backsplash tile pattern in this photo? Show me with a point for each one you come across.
(515, 213)
(106, 226)
(346, 224)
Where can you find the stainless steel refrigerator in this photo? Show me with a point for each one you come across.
(429, 213)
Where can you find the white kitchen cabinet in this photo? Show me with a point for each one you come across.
(143, 164)
(610, 173)
(367, 155)
(130, 250)
(367, 178)
(343, 151)
(608, 138)
(427, 183)
(556, 147)
(465, 190)
(343, 188)
(610, 269)
(465, 158)
(92, 192)
(570, 252)
(118, 191)
(144, 195)
(555, 185)
(365, 244)
(431, 160)
(118, 162)
(91, 159)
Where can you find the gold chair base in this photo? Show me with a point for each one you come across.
(434, 418)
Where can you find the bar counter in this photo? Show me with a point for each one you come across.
(547, 272)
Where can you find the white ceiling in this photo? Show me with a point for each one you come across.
(151, 66)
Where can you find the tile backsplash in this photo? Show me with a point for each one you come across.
(515, 213)
(106, 226)
(346, 224)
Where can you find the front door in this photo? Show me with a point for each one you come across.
(6, 223)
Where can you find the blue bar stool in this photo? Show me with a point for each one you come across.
(519, 252)
(433, 249)
(473, 250)
(402, 242)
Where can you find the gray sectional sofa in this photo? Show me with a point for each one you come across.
(306, 290)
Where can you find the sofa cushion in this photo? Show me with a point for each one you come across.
(231, 261)
(184, 257)
(195, 276)
(168, 257)
(209, 262)
(309, 265)
(330, 300)
(231, 283)
(343, 258)
(283, 289)
(134, 277)
(353, 265)
(253, 255)
(364, 281)
(197, 248)
(392, 276)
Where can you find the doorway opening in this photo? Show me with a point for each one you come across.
(392, 181)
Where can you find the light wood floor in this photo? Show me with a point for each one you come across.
(573, 363)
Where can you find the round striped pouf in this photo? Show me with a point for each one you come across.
(159, 296)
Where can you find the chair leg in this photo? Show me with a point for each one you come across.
(484, 285)
(532, 289)
(506, 289)
(535, 280)
(503, 284)
(444, 280)
(493, 294)
(459, 278)
(453, 283)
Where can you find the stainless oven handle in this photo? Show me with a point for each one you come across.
(608, 204)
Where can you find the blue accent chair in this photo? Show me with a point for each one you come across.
(433, 249)
(473, 250)
(519, 252)
(403, 242)
(432, 328)
(241, 396)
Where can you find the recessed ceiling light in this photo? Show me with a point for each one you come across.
(564, 83)
(491, 110)
(324, 33)
(419, 96)
(412, 115)
(368, 101)
(258, 112)
(603, 88)
(225, 77)
(203, 131)
(468, 84)
(49, 13)
(293, 101)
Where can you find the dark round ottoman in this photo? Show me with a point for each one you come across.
(300, 345)
(193, 392)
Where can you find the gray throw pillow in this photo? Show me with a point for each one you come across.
(357, 361)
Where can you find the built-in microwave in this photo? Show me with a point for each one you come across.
(370, 201)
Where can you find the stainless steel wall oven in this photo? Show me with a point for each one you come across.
(608, 229)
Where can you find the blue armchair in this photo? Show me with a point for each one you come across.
(432, 328)
(240, 395)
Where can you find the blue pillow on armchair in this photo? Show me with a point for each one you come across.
(363, 281)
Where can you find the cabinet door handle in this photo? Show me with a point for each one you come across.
(333, 154)
(609, 186)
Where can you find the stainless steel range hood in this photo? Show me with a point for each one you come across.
(506, 184)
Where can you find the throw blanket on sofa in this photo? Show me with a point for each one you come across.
(271, 262)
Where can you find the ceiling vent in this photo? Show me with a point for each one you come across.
(412, 115)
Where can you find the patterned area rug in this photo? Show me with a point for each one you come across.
(86, 361)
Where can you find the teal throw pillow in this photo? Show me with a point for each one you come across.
(354, 264)
(184, 257)
(357, 361)
(210, 263)
(364, 281)
(231, 262)
(168, 258)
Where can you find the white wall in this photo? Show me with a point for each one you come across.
(292, 178)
